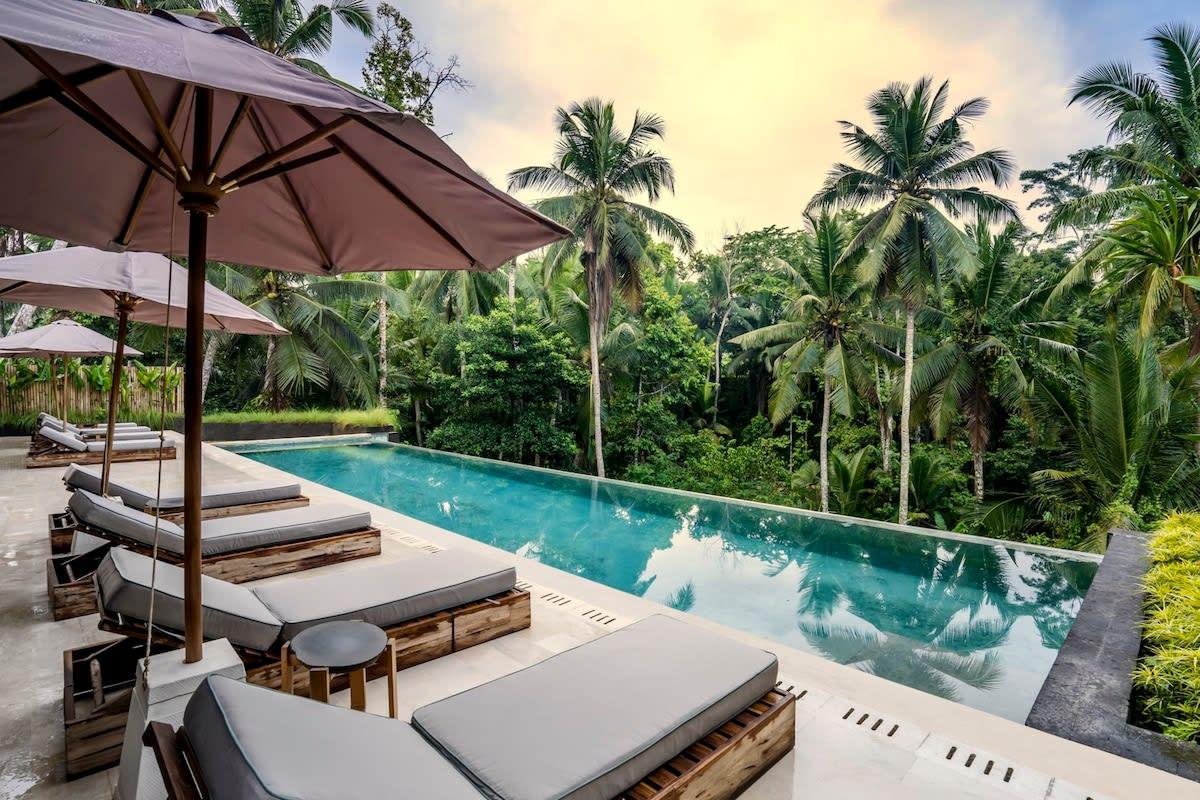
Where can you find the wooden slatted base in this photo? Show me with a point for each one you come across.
(720, 766)
(93, 731)
(62, 532)
(724, 763)
(73, 594)
(60, 459)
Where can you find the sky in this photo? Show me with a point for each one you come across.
(751, 91)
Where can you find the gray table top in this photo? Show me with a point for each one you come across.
(342, 645)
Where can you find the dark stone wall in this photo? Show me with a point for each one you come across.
(1086, 697)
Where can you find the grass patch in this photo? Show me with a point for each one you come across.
(370, 417)
(1167, 678)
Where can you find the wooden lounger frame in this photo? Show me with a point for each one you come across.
(720, 766)
(37, 459)
(63, 524)
(73, 593)
(99, 676)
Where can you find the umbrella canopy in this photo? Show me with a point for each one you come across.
(91, 281)
(65, 337)
(367, 188)
(107, 117)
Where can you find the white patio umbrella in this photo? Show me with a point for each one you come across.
(143, 287)
(63, 339)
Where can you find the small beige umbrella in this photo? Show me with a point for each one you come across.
(140, 287)
(62, 339)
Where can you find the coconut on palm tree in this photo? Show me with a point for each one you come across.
(597, 170)
(816, 335)
(918, 168)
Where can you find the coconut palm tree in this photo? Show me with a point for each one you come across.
(1154, 125)
(817, 332)
(722, 279)
(597, 169)
(916, 166)
(1124, 421)
(287, 29)
(990, 313)
(326, 348)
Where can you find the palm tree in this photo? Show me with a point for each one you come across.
(816, 332)
(991, 315)
(326, 347)
(1154, 124)
(916, 163)
(287, 29)
(1124, 421)
(597, 168)
(722, 281)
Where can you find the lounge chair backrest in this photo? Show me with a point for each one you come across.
(112, 516)
(87, 479)
(231, 611)
(64, 439)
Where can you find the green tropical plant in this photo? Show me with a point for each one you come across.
(289, 30)
(916, 165)
(817, 335)
(596, 170)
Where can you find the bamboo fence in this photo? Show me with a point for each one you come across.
(85, 401)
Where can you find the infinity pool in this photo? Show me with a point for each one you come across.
(965, 619)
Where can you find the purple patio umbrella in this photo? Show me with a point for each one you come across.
(107, 118)
(141, 287)
(64, 338)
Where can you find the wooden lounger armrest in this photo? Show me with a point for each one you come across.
(168, 752)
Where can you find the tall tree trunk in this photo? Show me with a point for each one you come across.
(910, 324)
(885, 440)
(417, 421)
(977, 459)
(717, 364)
(382, 311)
(824, 446)
(270, 391)
(594, 349)
(512, 283)
(210, 355)
(22, 320)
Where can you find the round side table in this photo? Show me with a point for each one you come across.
(342, 646)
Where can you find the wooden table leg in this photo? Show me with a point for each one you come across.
(358, 690)
(390, 655)
(318, 684)
(285, 669)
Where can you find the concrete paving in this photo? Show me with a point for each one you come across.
(936, 749)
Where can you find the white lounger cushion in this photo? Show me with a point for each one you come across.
(219, 536)
(589, 723)
(252, 743)
(72, 442)
(387, 594)
(230, 611)
(243, 493)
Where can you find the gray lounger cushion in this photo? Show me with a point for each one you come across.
(63, 439)
(85, 543)
(387, 594)
(589, 723)
(230, 611)
(218, 536)
(72, 442)
(242, 493)
(252, 743)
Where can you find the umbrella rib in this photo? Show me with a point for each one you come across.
(489, 191)
(286, 166)
(239, 114)
(143, 187)
(165, 139)
(374, 174)
(45, 89)
(271, 158)
(90, 112)
(322, 253)
(14, 286)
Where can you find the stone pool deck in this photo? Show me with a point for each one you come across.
(938, 749)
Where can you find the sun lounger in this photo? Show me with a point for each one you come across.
(54, 448)
(247, 497)
(236, 549)
(432, 605)
(659, 709)
(49, 420)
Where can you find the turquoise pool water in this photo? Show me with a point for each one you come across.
(968, 620)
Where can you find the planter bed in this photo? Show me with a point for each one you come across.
(1087, 695)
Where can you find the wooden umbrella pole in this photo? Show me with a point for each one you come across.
(63, 399)
(199, 199)
(114, 391)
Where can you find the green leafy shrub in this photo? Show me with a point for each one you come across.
(1167, 679)
(368, 417)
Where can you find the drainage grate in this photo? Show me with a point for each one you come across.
(414, 542)
(986, 767)
(871, 722)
